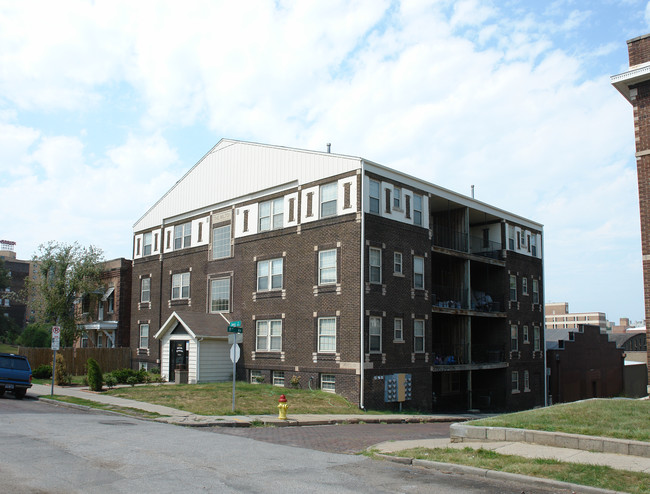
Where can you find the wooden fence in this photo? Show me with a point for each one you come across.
(109, 359)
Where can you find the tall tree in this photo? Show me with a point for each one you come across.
(64, 274)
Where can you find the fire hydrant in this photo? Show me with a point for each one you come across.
(282, 407)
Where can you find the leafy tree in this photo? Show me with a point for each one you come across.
(64, 273)
(36, 335)
(95, 376)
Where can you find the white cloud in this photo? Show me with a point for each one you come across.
(459, 93)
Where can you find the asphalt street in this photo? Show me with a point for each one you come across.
(54, 449)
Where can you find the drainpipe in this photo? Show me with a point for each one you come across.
(361, 290)
(198, 359)
(542, 345)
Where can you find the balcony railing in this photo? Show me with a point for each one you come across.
(451, 354)
(448, 297)
(463, 242)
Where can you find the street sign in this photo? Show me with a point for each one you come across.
(235, 338)
(235, 327)
(235, 353)
(56, 337)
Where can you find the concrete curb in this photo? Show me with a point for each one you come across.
(496, 475)
(464, 433)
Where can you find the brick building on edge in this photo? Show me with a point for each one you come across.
(343, 273)
(634, 85)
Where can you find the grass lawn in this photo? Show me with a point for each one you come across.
(250, 399)
(75, 381)
(591, 475)
(4, 348)
(622, 419)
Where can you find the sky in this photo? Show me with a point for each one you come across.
(104, 105)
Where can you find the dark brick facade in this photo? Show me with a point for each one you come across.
(587, 365)
(639, 52)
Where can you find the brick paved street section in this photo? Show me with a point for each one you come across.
(346, 438)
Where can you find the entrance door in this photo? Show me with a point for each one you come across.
(178, 353)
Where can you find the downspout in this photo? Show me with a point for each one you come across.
(361, 289)
(542, 345)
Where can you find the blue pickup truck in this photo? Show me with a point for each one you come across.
(15, 374)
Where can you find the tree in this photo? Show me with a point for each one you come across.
(36, 336)
(95, 376)
(64, 274)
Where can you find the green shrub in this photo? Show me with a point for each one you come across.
(110, 380)
(122, 375)
(155, 370)
(43, 371)
(133, 380)
(95, 377)
(142, 376)
(61, 376)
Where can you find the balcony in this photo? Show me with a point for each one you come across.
(446, 238)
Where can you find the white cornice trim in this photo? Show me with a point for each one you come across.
(623, 81)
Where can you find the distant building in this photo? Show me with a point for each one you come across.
(634, 85)
(13, 303)
(583, 364)
(633, 342)
(105, 317)
(557, 316)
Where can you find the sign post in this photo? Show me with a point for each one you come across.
(234, 327)
(56, 339)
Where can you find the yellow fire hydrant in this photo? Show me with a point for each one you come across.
(282, 407)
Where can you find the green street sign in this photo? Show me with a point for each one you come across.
(235, 327)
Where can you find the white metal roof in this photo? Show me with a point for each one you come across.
(234, 169)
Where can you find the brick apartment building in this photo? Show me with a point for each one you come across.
(14, 304)
(105, 317)
(634, 85)
(343, 273)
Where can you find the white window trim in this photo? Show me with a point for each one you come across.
(415, 285)
(514, 340)
(321, 268)
(333, 185)
(145, 335)
(417, 322)
(374, 331)
(270, 275)
(514, 380)
(273, 215)
(378, 252)
(321, 335)
(400, 263)
(143, 291)
(224, 245)
(401, 329)
(254, 375)
(185, 236)
(371, 197)
(325, 381)
(278, 378)
(212, 300)
(266, 325)
(526, 381)
(417, 197)
(178, 282)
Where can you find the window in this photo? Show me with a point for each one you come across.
(515, 382)
(514, 338)
(397, 198)
(145, 290)
(111, 303)
(327, 335)
(180, 286)
(398, 329)
(268, 336)
(417, 210)
(256, 377)
(220, 295)
(518, 240)
(269, 275)
(182, 235)
(84, 339)
(144, 336)
(143, 366)
(533, 245)
(328, 200)
(513, 287)
(328, 383)
(397, 263)
(524, 286)
(525, 331)
(536, 339)
(418, 336)
(327, 267)
(375, 265)
(374, 339)
(374, 197)
(271, 214)
(536, 291)
(418, 273)
(7, 302)
(278, 378)
(146, 244)
(221, 242)
(526, 381)
(137, 247)
(511, 238)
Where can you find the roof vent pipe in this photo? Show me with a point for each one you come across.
(472, 192)
(329, 147)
